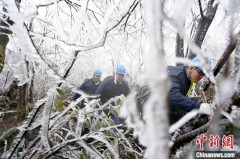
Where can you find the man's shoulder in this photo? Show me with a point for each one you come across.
(175, 70)
(108, 79)
(125, 82)
(87, 80)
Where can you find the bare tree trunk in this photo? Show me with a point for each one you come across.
(25, 93)
(31, 88)
(22, 101)
(179, 47)
(203, 25)
(4, 31)
(237, 56)
(3, 43)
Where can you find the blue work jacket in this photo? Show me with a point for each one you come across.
(88, 86)
(178, 101)
(108, 89)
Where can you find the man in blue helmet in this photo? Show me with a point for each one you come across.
(183, 79)
(90, 86)
(112, 87)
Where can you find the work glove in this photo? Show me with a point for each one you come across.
(206, 108)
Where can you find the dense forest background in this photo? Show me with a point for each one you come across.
(48, 48)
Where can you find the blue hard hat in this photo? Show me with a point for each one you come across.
(97, 72)
(197, 61)
(121, 70)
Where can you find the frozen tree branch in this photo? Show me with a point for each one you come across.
(231, 46)
(183, 120)
(102, 41)
(46, 5)
(192, 134)
(200, 7)
(23, 131)
(179, 46)
(203, 25)
(46, 117)
(156, 108)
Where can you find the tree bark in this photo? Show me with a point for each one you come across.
(179, 47)
(4, 31)
(3, 43)
(237, 56)
(22, 101)
(203, 26)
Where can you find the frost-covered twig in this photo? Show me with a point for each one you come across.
(102, 107)
(183, 120)
(128, 13)
(193, 133)
(59, 146)
(104, 30)
(45, 119)
(8, 113)
(103, 139)
(46, 5)
(23, 131)
(53, 128)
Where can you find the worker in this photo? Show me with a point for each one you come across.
(183, 79)
(90, 86)
(113, 86)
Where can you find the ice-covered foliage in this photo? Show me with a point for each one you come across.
(74, 132)
(56, 45)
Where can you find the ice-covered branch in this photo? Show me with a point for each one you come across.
(45, 120)
(156, 108)
(182, 121)
(23, 130)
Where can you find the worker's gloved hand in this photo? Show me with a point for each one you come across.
(206, 108)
